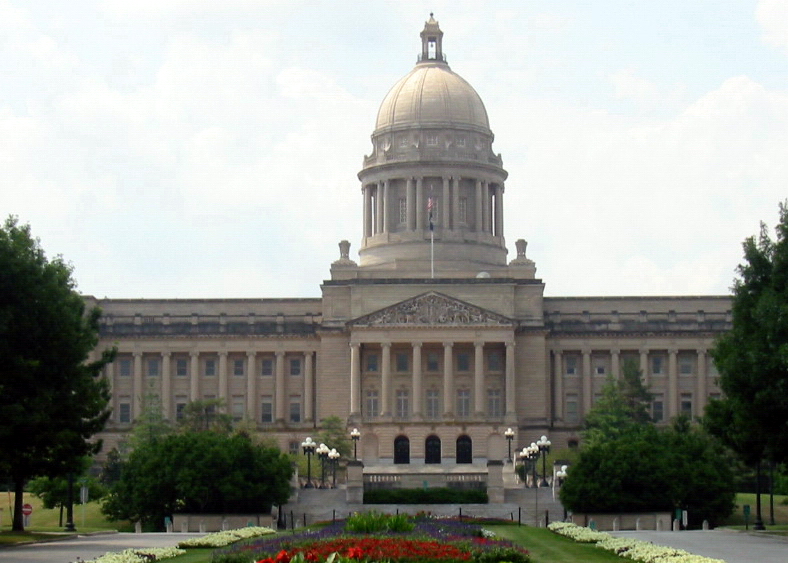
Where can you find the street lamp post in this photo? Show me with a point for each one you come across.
(544, 448)
(533, 456)
(509, 434)
(333, 458)
(322, 453)
(560, 475)
(308, 446)
(355, 435)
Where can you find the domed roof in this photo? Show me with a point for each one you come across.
(432, 94)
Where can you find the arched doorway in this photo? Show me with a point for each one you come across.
(432, 449)
(401, 449)
(464, 449)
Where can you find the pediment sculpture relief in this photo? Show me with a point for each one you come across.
(432, 309)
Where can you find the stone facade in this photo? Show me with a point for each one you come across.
(432, 344)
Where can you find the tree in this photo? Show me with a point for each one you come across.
(52, 397)
(206, 414)
(53, 491)
(752, 358)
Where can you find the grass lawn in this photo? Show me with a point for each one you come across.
(48, 520)
(548, 547)
(736, 520)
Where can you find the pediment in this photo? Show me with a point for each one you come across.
(432, 309)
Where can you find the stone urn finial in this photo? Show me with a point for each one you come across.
(520, 244)
(344, 250)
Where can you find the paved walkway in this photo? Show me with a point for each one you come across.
(731, 546)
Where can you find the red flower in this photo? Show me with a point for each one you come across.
(355, 553)
(282, 557)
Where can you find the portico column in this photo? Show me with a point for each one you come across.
(478, 378)
(445, 210)
(279, 386)
(137, 384)
(355, 380)
(448, 380)
(510, 390)
(379, 206)
(558, 400)
(251, 386)
(700, 402)
(644, 366)
(615, 361)
(417, 379)
(166, 385)
(385, 379)
(673, 384)
(223, 375)
(478, 207)
(486, 207)
(455, 201)
(309, 392)
(367, 211)
(411, 206)
(498, 211)
(194, 376)
(386, 207)
(588, 396)
(419, 203)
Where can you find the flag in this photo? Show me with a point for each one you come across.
(430, 206)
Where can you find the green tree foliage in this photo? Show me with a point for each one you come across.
(752, 358)
(624, 404)
(206, 414)
(52, 397)
(198, 472)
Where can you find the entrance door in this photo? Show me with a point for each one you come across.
(401, 449)
(464, 449)
(432, 449)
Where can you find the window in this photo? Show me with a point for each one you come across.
(373, 408)
(433, 404)
(267, 366)
(267, 410)
(181, 367)
(600, 369)
(403, 210)
(124, 367)
(460, 141)
(432, 449)
(238, 367)
(686, 365)
(572, 414)
(295, 411)
(494, 362)
(685, 405)
(462, 210)
(124, 412)
(210, 368)
(432, 140)
(658, 408)
(571, 365)
(433, 361)
(464, 449)
(401, 361)
(657, 365)
(494, 402)
(180, 406)
(238, 407)
(153, 367)
(463, 403)
(403, 404)
(295, 366)
(372, 362)
(294, 447)
(463, 361)
(401, 449)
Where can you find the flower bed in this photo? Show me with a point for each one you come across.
(227, 537)
(138, 555)
(637, 550)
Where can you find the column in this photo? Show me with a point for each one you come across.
(379, 208)
(386, 207)
(367, 211)
(588, 391)
(558, 375)
(615, 363)
(478, 378)
(499, 211)
(700, 400)
(355, 378)
(644, 366)
(673, 385)
(223, 376)
(510, 389)
(309, 392)
(485, 207)
(478, 207)
(417, 379)
(194, 376)
(411, 206)
(448, 380)
(280, 399)
(420, 204)
(137, 393)
(251, 387)
(445, 209)
(166, 385)
(455, 201)
(385, 379)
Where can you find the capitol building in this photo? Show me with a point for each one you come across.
(435, 337)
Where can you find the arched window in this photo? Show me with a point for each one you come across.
(401, 449)
(464, 449)
(432, 449)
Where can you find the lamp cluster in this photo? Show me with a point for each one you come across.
(532, 453)
(327, 456)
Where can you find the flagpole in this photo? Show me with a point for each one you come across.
(432, 252)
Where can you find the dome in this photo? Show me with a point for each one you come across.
(431, 94)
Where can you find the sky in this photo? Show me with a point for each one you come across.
(209, 148)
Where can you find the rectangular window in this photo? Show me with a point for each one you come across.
(124, 412)
(433, 404)
(401, 361)
(403, 404)
(238, 407)
(372, 362)
(600, 369)
(267, 366)
(403, 211)
(180, 406)
(571, 365)
(686, 365)
(181, 367)
(153, 367)
(658, 408)
(295, 411)
(433, 361)
(294, 447)
(295, 366)
(686, 404)
(494, 361)
(124, 367)
(463, 403)
(238, 367)
(267, 410)
(572, 413)
(462, 210)
(210, 368)
(432, 140)
(373, 409)
(463, 361)
(494, 402)
(657, 365)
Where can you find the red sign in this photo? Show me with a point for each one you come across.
(27, 509)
